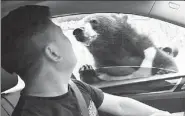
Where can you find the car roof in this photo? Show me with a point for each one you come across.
(170, 11)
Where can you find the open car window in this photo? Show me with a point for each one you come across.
(163, 34)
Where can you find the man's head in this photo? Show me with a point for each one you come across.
(30, 39)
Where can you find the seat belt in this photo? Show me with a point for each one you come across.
(8, 102)
(81, 101)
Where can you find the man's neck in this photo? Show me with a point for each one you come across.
(47, 85)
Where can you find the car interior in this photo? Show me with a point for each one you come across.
(171, 97)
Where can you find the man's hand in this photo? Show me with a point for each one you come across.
(143, 72)
(150, 53)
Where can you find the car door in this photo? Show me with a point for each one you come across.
(163, 92)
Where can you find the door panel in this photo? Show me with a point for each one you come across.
(167, 94)
(168, 101)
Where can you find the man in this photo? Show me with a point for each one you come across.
(37, 50)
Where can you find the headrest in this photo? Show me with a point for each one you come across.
(10, 82)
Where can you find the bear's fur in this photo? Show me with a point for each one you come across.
(113, 42)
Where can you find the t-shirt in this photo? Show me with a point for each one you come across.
(64, 105)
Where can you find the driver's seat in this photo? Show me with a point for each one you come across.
(10, 92)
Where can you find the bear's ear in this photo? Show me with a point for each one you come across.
(124, 18)
(114, 15)
(120, 17)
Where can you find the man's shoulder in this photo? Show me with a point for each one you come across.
(86, 87)
(82, 86)
(96, 95)
(28, 106)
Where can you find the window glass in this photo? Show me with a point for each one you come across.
(167, 37)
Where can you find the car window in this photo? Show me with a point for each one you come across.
(163, 34)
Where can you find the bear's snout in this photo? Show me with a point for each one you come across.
(77, 31)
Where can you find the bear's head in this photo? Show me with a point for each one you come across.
(107, 26)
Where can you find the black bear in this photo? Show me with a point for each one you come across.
(113, 42)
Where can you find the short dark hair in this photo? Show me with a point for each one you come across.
(18, 27)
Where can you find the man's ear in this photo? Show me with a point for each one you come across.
(53, 53)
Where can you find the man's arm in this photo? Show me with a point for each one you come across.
(124, 106)
(119, 106)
